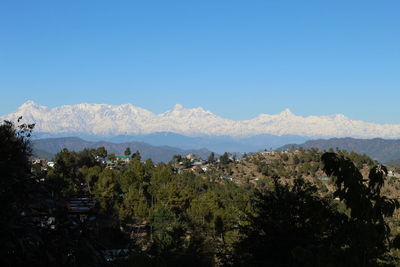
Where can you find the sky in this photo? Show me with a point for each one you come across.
(235, 58)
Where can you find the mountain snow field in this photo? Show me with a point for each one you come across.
(108, 120)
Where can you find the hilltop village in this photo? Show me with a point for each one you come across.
(253, 168)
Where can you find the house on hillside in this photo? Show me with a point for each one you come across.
(393, 174)
(42, 162)
(119, 161)
(191, 156)
(198, 163)
(51, 164)
(125, 159)
(110, 164)
(267, 153)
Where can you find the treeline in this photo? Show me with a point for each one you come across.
(300, 163)
(165, 218)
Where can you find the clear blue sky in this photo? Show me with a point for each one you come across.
(235, 58)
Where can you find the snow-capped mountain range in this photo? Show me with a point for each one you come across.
(108, 120)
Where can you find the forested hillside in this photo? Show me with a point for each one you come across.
(304, 208)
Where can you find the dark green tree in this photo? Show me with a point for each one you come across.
(224, 159)
(18, 195)
(186, 162)
(177, 158)
(211, 157)
(290, 226)
(137, 155)
(101, 152)
(112, 157)
(67, 178)
(127, 151)
(28, 237)
(367, 230)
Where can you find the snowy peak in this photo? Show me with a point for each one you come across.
(109, 120)
(31, 105)
(28, 104)
(286, 113)
(178, 107)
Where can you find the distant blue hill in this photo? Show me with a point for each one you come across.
(50, 146)
(218, 144)
(383, 150)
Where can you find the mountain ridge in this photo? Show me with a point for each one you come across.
(218, 144)
(109, 120)
(157, 153)
(383, 150)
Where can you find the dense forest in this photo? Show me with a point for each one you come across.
(304, 208)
